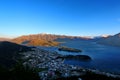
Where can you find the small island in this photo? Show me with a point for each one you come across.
(78, 57)
(75, 57)
(69, 49)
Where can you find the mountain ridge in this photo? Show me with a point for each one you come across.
(111, 40)
(43, 39)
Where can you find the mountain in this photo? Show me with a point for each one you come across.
(43, 39)
(4, 39)
(111, 40)
(9, 53)
(98, 38)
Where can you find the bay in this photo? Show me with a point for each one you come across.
(104, 58)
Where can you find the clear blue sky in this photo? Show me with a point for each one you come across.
(70, 17)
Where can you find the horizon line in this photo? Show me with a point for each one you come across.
(11, 36)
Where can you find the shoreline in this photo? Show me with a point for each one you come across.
(43, 59)
(62, 53)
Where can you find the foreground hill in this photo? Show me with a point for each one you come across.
(111, 40)
(11, 67)
(9, 53)
(43, 39)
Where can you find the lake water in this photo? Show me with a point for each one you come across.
(104, 58)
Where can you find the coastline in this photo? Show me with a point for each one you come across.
(43, 59)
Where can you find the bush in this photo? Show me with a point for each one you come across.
(19, 72)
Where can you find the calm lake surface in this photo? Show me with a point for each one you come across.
(104, 58)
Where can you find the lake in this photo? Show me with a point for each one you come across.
(104, 58)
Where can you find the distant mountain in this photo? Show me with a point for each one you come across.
(4, 39)
(43, 39)
(98, 38)
(9, 53)
(111, 40)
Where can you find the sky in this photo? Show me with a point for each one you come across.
(64, 17)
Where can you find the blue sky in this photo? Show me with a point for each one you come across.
(69, 17)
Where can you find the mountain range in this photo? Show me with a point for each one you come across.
(43, 39)
(110, 40)
(50, 39)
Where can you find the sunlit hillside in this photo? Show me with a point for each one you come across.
(43, 39)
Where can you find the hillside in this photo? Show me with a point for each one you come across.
(9, 53)
(111, 40)
(43, 39)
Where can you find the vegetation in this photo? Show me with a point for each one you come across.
(78, 57)
(41, 69)
(69, 49)
(11, 67)
(18, 72)
(9, 53)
